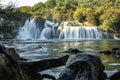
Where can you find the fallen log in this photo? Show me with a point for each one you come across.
(44, 64)
(83, 67)
(15, 69)
(32, 68)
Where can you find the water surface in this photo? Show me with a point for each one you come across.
(37, 50)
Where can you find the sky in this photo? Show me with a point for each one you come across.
(21, 2)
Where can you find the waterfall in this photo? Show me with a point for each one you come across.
(78, 32)
(51, 30)
(32, 31)
(29, 30)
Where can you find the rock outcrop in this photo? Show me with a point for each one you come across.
(13, 68)
(84, 67)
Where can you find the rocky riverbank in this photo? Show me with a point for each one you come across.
(82, 67)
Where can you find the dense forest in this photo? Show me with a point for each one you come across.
(105, 14)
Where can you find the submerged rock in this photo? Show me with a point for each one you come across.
(115, 52)
(73, 50)
(106, 52)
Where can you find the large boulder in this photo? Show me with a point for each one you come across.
(12, 68)
(115, 76)
(83, 67)
(9, 67)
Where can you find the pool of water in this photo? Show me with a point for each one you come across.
(37, 50)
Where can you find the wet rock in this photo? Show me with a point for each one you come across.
(115, 49)
(9, 67)
(14, 69)
(115, 52)
(106, 52)
(73, 50)
(16, 56)
(115, 76)
(83, 67)
(48, 76)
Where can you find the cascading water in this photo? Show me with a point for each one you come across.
(31, 30)
(50, 30)
(70, 32)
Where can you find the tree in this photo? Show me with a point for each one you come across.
(38, 6)
(93, 17)
(50, 3)
(11, 18)
(25, 9)
(80, 15)
(110, 20)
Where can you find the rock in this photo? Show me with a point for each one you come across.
(9, 67)
(106, 52)
(115, 76)
(83, 67)
(16, 56)
(73, 50)
(48, 76)
(116, 49)
(116, 52)
(15, 69)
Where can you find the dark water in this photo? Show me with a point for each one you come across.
(36, 50)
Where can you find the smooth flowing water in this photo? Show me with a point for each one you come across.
(52, 30)
(37, 50)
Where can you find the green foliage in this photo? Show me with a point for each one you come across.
(110, 20)
(50, 3)
(73, 23)
(38, 6)
(93, 17)
(80, 15)
(59, 17)
(101, 13)
(9, 28)
(25, 9)
(11, 18)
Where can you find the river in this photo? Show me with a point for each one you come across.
(43, 49)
